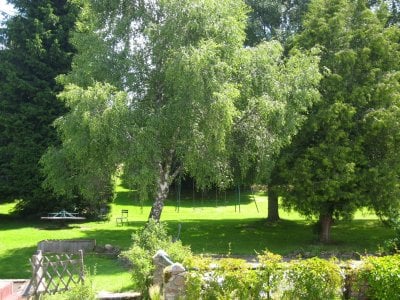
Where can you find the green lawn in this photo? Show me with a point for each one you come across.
(209, 226)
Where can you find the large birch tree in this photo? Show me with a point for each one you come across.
(162, 88)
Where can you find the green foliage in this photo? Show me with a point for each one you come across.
(84, 291)
(274, 19)
(381, 274)
(273, 103)
(345, 155)
(270, 272)
(81, 292)
(86, 164)
(230, 279)
(392, 246)
(155, 292)
(36, 50)
(313, 279)
(145, 243)
(234, 279)
(177, 102)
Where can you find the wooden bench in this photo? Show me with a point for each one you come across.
(123, 218)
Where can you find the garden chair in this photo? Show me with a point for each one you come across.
(123, 218)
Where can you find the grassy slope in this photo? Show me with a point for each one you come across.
(208, 226)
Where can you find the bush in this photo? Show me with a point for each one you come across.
(313, 278)
(270, 273)
(230, 279)
(234, 279)
(382, 277)
(145, 243)
(392, 246)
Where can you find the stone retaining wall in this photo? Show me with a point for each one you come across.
(172, 279)
(67, 246)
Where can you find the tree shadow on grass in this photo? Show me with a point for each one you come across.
(209, 199)
(10, 222)
(238, 236)
(14, 264)
(251, 236)
(244, 236)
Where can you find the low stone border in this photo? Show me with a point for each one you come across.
(103, 295)
(67, 246)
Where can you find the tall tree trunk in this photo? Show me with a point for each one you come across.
(273, 212)
(161, 195)
(325, 223)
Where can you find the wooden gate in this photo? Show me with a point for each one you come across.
(55, 273)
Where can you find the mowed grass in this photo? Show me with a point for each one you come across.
(211, 224)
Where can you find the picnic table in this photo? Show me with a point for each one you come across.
(63, 215)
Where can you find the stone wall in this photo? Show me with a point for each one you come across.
(67, 246)
(174, 282)
(171, 277)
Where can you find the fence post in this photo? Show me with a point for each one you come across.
(82, 271)
(37, 272)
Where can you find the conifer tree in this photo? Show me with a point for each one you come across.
(346, 156)
(35, 50)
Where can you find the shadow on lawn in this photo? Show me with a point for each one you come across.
(16, 261)
(208, 199)
(248, 236)
(244, 236)
(10, 222)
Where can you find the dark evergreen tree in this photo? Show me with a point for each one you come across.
(35, 50)
(346, 156)
(282, 19)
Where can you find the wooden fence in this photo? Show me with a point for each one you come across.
(55, 273)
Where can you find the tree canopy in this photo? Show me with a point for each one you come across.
(167, 88)
(274, 19)
(35, 49)
(345, 155)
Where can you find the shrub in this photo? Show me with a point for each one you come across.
(313, 278)
(234, 279)
(392, 246)
(239, 282)
(382, 277)
(270, 273)
(145, 243)
(230, 279)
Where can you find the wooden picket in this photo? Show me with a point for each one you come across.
(55, 273)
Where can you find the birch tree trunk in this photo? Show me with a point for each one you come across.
(161, 194)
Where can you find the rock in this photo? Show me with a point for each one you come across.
(177, 268)
(108, 247)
